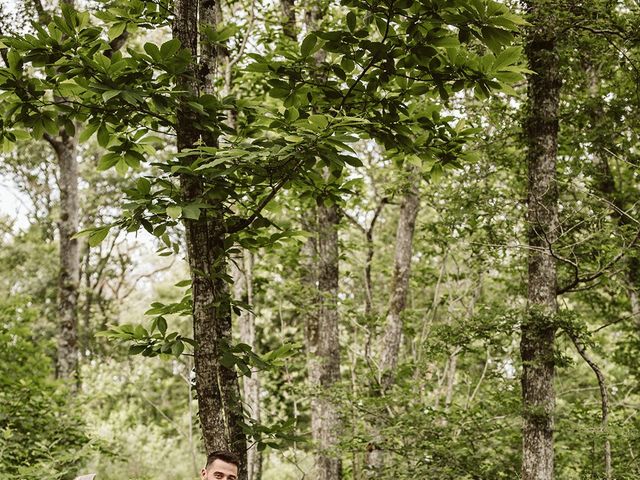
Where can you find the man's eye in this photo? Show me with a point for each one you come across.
(217, 475)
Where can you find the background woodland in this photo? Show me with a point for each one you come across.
(345, 239)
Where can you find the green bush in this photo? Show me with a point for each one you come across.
(40, 434)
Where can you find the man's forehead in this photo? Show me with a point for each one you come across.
(224, 467)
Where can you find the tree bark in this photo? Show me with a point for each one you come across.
(65, 148)
(69, 272)
(217, 387)
(400, 282)
(392, 337)
(250, 385)
(323, 346)
(538, 327)
(322, 339)
(289, 18)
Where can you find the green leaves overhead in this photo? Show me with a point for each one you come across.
(382, 71)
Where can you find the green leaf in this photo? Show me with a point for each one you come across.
(351, 21)
(279, 93)
(174, 211)
(381, 24)
(191, 211)
(162, 325)
(291, 114)
(88, 131)
(50, 126)
(109, 94)
(319, 121)
(506, 57)
(136, 349)
(347, 64)
(153, 51)
(122, 167)
(177, 348)
(116, 30)
(143, 186)
(169, 49)
(307, 44)
(107, 161)
(496, 38)
(133, 158)
(103, 135)
(98, 236)
(448, 41)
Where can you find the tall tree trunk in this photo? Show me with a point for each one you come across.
(323, 346)
(392, 337)
(250, 385)
(220, 407)
(65, 148)
(321, 276)
(69, 273)
(538, 327)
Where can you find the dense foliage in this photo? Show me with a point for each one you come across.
(351, 107)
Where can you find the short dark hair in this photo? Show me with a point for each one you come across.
(225, 456)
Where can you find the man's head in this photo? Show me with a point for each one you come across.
(221, 465)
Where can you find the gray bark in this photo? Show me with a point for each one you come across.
(220, 407)
(538, 327)
(321, 331)
(65, 148)
(400, 282)
(392, 337)
(69, 273)
(243, 289)
(323, 346)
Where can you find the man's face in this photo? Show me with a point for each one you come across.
(220, 470)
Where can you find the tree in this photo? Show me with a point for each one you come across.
(539, 328)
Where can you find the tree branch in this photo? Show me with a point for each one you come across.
(604, 396)
(242, 224)
(589, 278)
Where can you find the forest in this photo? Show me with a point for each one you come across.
(341, 239)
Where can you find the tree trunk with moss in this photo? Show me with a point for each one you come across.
(538, 327)
(219, 402)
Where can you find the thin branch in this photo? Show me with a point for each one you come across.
(165, 416)
(482, 377)
(242, 224)
(245, 38)
(147, 275)
(604, 396)
(589, 278)
(374, 59)
(614, 322)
